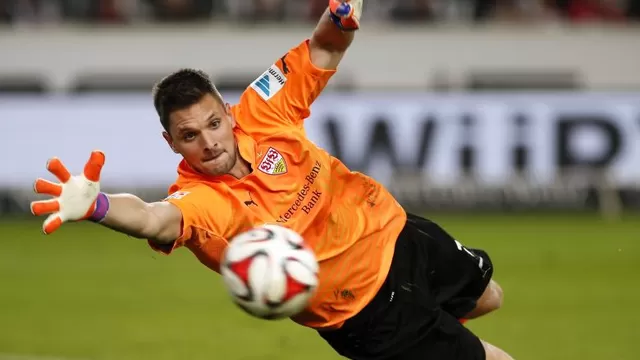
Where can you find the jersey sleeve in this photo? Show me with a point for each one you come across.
(283, 94)
(204, 216)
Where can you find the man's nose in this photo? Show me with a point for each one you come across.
(209, 142)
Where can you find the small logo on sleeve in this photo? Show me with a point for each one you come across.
(177, 195)
(269, 83)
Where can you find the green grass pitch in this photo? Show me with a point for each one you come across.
(572, 291)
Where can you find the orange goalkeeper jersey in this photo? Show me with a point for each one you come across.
(349, 220)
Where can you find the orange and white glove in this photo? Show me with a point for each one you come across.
(75, 197)
(346, 13)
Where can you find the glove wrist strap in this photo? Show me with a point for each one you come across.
(102, 208)
(337, 20)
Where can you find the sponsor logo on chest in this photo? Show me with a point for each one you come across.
(308, 196)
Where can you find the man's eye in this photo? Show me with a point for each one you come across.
(215, 124)
(189, 136)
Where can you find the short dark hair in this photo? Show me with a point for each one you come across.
(180, 90)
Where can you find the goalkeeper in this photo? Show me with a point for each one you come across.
(392, 285)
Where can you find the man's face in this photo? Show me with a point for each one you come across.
(203, 135)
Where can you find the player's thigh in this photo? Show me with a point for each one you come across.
(494, 353)
(406, 330)
(447, 340)
(403, 321)
(457, 275)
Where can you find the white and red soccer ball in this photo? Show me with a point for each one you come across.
(269, 272)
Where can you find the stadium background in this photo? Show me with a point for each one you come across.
(515, 124)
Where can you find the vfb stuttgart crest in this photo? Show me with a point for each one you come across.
(273, 163)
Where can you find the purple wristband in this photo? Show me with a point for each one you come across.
(102, 208)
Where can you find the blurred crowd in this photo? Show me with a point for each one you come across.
(414, 11)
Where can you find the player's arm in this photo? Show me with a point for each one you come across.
(159, 222)
(79, 198)
(334, 33)
(283, 94)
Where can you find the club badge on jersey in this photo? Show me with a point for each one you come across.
(346, 13)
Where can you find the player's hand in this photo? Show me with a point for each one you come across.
(346, 13)
(74, 198)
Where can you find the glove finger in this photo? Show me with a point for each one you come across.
(57, 168)
(94, 166)
(350, 23)
(51, 224)
(42, 186)
(44, 207)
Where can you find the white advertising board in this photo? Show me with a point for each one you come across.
(379, 134)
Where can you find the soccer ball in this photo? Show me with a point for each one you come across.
(269, 272)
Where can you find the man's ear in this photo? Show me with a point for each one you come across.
(169, 141)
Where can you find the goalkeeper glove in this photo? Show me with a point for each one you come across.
(75, 197)
(346, 13)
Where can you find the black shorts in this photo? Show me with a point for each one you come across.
(432, 283)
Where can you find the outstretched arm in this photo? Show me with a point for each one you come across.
(334, 33)
(159, 222)
(283, 95)
(79, 198)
